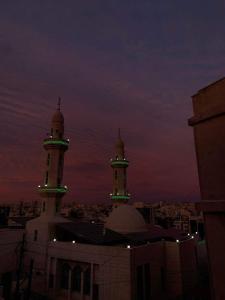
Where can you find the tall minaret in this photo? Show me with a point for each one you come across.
(55, 145)
(119, 165)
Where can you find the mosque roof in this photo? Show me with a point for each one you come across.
(97, 234)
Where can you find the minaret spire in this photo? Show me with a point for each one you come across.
(59, 103)
(119, 136)
(119, 165)
(55, 145)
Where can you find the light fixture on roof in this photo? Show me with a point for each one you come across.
(73, 242)
(54, 240)
(128, 246)
(188, 234)
(196, 232)
(192, 236)
(177, 241)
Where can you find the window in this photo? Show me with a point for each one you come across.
(147, 281)
(65, 276)
(48, 159)
(51, 281)
(163, 278)
(143, 282)
(46, 178)
(116, 175)
(87, 281)
(76, 279)
(35, 235)
(139, 291)
(95, 291)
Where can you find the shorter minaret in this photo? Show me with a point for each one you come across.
(119, 165)
(55, 145)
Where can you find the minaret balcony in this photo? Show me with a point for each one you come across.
(52, 191)
(120, 197)
(120, 163)
(55, 143)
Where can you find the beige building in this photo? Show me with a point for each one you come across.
(123, 259)
(208, 123)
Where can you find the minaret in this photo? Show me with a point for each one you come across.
(119, 165)
(55, 145)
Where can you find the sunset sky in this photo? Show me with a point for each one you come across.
(119, 63)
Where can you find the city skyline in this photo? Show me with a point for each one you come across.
(128, 65)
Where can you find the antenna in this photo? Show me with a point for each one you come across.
(59, 103)
(119, 133)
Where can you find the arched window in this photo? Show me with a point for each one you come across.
(87, 281)
(64, 280)
(76, 279)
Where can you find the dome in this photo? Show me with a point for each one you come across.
(58, 117)
(126, 219)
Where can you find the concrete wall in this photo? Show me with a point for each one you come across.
(113, 276)
(154, 255)
(209, 123)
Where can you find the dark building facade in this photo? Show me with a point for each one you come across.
(209, 133)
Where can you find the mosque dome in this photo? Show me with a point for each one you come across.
(126, 219)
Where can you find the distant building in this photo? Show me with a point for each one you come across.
(209, 133)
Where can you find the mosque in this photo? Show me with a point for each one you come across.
(123, 259)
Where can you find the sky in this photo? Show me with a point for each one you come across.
(128, 64)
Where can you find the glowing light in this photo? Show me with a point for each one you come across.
(46, 185)
(46, 189)
(73, 242)
(56, 142)
(196, 232)
(54, 240)
(192, 236)
(39, 186)
(177, 241)
(120, 197)
(118, 162)
(92, 222)
(188, 234)
(128, 246)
